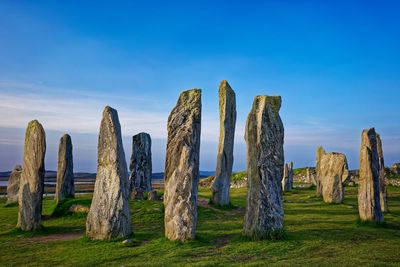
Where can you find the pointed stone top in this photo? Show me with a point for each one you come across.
(109, 109)
(224, 84)
(66, 136)
(272, 101)
(189, 98)
(17, 168)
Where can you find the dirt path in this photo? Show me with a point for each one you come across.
(54, 237)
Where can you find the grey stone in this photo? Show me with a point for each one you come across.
(333, 169)
(140, 165)
(152, 195)
(265, 160)
(287, 181)
(65, 172)
(32, 178)
(13, 185)
(369, 205)
(320, 153)
(382, 189)
(396, 168)
(109, 215)
(310, 177)
(227, 116)
(182, 167)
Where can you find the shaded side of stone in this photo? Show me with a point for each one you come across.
(140, 165)
(382, 188)
(320, 152)
(13, 185)
(65, 172)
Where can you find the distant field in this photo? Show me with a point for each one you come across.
(316, 234)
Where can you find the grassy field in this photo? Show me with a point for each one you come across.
(315, 234)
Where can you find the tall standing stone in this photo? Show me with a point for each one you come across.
(320, 153)
(287, 181)
(182, 167)
(65, 172)
(32, 178)
(223, 172)
(369, 205)
(382, 189)
(140, 165)
(13, 185)
(265, 162)
(333, 170)
(109, 215)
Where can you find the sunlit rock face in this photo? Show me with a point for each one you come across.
(227, 112)
(369, 205)
(265, 162)
(32, 178)
(333, 171)
(109, 215)
(182, 167)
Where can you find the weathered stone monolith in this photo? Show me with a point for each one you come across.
(265, 162)
(140, 165)
(65, 172)
(13, 185)
(32, 178)
(382, 188)
(320, 153)
(109, 215)
(182, 167)
(333, 169)
(287, 181)
(369, 205)
(223, 172)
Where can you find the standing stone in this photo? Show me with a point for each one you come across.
(369, 205)
(396, 168)
(287, 181)
(320, 153)
(382, 189)
(333, 169)
(265, 162)
(182, 167)
(13, 185)
(223, 172)
(310, 178)
(32, 178)
(140, 165)
(109, 215)
(65, 172)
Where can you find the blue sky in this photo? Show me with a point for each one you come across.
(336, 65)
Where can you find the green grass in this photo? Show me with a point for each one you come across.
(315, 234)
(238, 176)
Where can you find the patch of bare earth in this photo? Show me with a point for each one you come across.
(54, 237)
